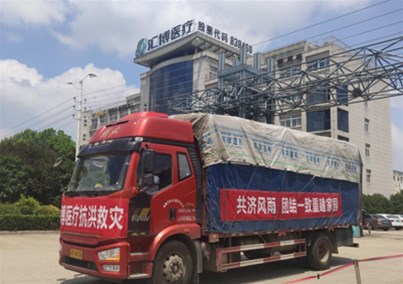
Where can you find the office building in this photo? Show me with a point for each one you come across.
(184, 60)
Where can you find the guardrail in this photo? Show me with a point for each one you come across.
(354, 263)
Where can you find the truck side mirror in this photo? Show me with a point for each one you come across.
(148, 158)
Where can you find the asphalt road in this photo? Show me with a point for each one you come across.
(33, 258)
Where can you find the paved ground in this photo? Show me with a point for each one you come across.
(33, 258)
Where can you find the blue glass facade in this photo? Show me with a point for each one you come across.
(168, 82)
(318, 120)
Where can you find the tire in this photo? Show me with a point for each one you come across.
(386, 229)
(173, 264)
(398, 228)
(319, 253)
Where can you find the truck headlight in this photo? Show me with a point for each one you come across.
(110, 254)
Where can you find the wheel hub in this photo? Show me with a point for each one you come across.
(173, 269)
(323, 252)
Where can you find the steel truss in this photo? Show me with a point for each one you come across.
(357, 75)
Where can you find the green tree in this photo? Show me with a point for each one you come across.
(376, 203)
(396, 201)
(26, 165)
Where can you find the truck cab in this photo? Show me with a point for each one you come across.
(133, 188)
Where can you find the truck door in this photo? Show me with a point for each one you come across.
(173, 201)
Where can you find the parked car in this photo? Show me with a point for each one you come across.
(396, 221)
(376, 221)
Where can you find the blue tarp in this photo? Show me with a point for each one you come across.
(233, 177)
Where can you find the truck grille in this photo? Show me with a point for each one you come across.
(80, 263)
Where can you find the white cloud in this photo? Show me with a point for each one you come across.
(36, 12)
(397, 138)
(28, 93)
(24, 85)
(116, 26)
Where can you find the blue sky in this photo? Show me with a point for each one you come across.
(45, 44)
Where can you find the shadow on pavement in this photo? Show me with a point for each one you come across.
(251, 274)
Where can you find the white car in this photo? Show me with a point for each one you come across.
(397, 220)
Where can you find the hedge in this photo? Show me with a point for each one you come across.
(29, 222)
(9, 209)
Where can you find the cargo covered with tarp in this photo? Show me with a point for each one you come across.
(262, 177)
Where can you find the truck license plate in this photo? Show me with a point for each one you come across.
(76, 253)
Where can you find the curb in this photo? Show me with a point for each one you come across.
(27, 232)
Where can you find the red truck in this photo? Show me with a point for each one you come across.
(166, 198)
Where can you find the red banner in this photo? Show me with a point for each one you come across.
(102, 216)
(255, 205)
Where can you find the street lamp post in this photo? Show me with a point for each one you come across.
(79, 109)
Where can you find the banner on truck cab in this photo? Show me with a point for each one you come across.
(106, 217)
(255, 205)
(228, 139)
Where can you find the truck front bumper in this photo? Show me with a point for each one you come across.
(86, 260)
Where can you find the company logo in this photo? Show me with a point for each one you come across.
(179, 31)
(141, 215)
(141, 47)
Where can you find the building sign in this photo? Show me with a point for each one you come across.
(179, 31)
(256, 205)
(107, 217)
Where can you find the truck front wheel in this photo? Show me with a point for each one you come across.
(173, 264)
(320, 252)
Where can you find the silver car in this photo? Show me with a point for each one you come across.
(396, 220)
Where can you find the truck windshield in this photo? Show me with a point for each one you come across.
(99, 173)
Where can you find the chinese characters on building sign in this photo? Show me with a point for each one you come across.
(256, 205)
(223, 36)
(146, 45)
(106, 216)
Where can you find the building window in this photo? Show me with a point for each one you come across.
(113, 116)
(319, 95)
(123, 112)
(292, 120)
(342, 120)
(342, 95)
(368, 175)
(318, 64)
(342, 138)
(103, 119)
(136, 108)
(367, 150)
(213, 72)
(318, 120)
(94, 123)
(290, 71)
(366, 125)
(291, 97)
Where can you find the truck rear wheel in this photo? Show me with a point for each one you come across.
(173, 264)
(319, 253)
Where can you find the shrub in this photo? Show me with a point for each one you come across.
(9, 209)
(27, 205)
(28, 222)
(47, 210)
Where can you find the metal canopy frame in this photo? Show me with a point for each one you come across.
(370, 73)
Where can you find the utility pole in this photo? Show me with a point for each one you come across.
(79, 109)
